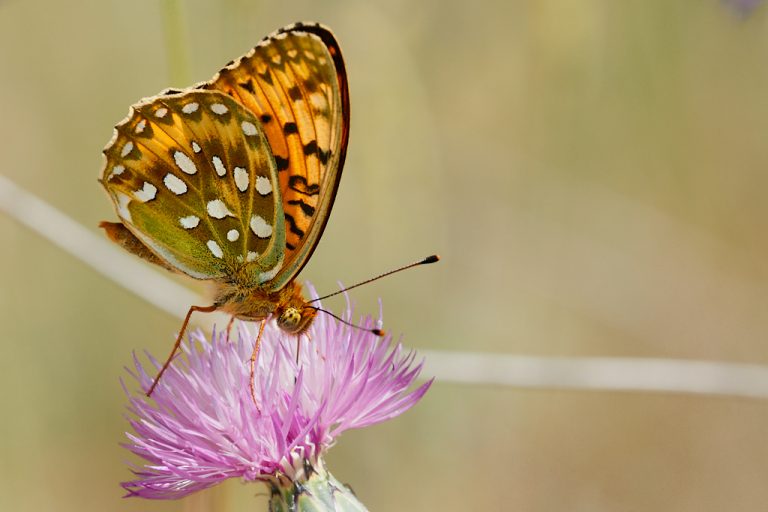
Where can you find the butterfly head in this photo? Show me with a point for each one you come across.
(295, 317)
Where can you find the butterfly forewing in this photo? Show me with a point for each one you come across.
(193, 178)
(295, 84)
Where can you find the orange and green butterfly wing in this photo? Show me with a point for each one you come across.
(234, 179)
(193, 179)
(294, 81)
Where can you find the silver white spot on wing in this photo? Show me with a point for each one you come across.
(140, 126)
(219, 108)
(190, 108)
(147, 192)
(318, 101)
(217, 209)
(189, 222)
(233, 235)
(160, 113)
(263, 185)
(118, 169)
(175, 184)
(260, 227)
(184, 162)
(215, 249)
(248, 128)
(126, 149)
(241, 179)
(195, 147)
(268, 275)
(122, 207)
(218, 166)
(251, 256)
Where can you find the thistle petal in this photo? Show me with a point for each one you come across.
(201, 426)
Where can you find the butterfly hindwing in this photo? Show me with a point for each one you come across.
(295, 83)
(192, 177)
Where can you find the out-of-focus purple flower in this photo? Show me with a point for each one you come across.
(201, 425)
(742, 7)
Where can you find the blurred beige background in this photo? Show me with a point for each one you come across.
(592, 172)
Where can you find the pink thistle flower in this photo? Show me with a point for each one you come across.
(201, 425)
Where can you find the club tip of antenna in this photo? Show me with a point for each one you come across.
(430, 259)
(379, 332)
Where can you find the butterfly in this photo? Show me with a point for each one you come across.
(232, 180)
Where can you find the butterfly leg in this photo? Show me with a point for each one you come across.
(254, 357)
(202, 309)
(229, 326)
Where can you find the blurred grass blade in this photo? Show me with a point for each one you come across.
(600, 373)
(175, 42)
(94, 250)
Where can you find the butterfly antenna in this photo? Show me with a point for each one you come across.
(377, 332)
(426, 261)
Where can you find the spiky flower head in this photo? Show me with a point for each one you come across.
(201, 425)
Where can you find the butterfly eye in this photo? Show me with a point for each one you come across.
(290, 320)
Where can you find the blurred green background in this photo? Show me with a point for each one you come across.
(592, 172)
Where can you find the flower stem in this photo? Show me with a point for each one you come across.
(312, 489)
